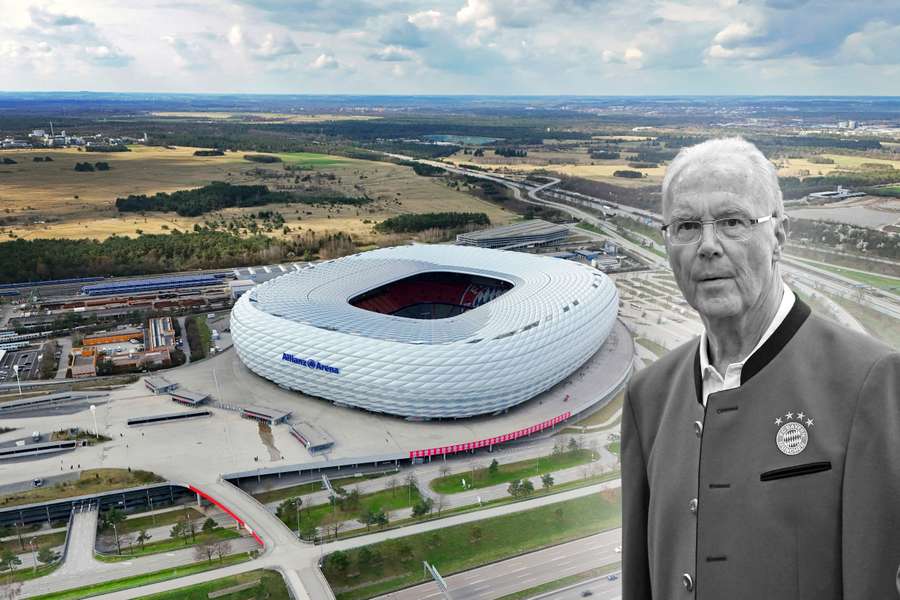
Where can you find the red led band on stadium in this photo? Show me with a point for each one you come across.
(499, 439)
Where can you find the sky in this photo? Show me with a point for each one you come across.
(517, 47)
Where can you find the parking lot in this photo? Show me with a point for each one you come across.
(26, 358)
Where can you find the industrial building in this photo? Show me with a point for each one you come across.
(534, 232)
(157, 283)
(426, 331)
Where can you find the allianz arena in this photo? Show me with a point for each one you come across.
(426, 331)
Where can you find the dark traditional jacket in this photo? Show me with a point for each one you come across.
(787, 487)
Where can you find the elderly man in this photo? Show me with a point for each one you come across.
(762, 461)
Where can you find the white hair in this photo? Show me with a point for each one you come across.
(731, 159)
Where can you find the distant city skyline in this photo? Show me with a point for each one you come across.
(542, 47)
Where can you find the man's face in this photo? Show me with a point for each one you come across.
(723, 278)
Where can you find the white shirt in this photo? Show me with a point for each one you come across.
(712, 380)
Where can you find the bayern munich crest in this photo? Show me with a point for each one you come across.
(793, 435)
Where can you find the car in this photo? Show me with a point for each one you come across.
(618, 550)
(37, 482)
(586, 593)
(612, 577)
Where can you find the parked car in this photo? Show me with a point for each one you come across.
(37, 482)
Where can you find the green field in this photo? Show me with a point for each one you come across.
(133, 524)
(385, 500)
(307, 488)
(140, 580)
(91, 481)
(652, 346)
(452, 484)
(310, 159)
(271, 587)
(884, 282)
(168, 545)
(48, 540)
(397, 563)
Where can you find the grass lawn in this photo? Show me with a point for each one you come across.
(48, 540)
(397, 563)
(140, 580)
(613, 447)
(540, 491)
(563, 582)
(27, 573)
(452, 484)
(271, 586)
(652, 346)
(884, 282)
(168, 545)
(598, 418)
(309, 488)
(92, 481)
(879, 325)
(385, 500)
(310, 159)
(136, 523)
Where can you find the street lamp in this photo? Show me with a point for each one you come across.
(33, 557)
(94, 414)
(19, 383)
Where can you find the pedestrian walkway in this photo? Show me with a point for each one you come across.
(82, 535)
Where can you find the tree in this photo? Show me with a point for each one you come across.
(338, 561)
(513, 488)
(333, 523)
(46, 556)
(222, 548)
(9, 561)
(204, 550)
(410, 481)
(209, 525)
(189, 527)
(573, 444)
(391, 484)
(547, 481)
(143, 537)
(557, 447)
(440, 503)
(177, 530)
(526, 488)
(444, 470)
(422, 507)
(113, 518)
(495, 466)
(475, 534)
(404, 552)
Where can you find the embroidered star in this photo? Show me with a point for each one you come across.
(800, 415)
(789, 416)
(809, 422)
(778, 421)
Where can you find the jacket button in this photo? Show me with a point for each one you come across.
(692, 506)
(688, 582)
(698, 428)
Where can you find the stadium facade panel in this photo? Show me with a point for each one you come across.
(301, 332)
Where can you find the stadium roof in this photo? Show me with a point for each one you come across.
(319, 295)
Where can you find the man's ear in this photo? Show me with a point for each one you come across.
(782, 230)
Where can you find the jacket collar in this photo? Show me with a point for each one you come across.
(765, 353)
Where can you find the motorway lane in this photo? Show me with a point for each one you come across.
(522, 572)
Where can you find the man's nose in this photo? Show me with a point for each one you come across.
(709, 240)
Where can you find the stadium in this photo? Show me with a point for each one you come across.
(426, 331)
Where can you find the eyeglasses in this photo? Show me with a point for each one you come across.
(727, 229)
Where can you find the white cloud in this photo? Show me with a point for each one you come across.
(477, 13)
(393, 54)
(734, 33)
(426, 19)
(324, 62)
(877, 44)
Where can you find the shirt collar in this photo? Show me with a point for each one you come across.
(787, 303)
